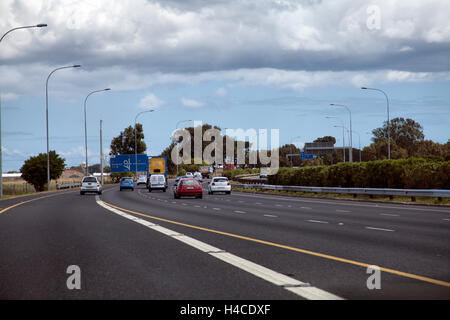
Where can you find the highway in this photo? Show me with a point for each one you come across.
(142, 245)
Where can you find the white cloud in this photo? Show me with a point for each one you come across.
(286, 44)
(151, 101)
(12, 152)
(8, 96)
(192, 103)
(221, 92)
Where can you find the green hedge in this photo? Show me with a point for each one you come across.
(412, 173)
(230, 174)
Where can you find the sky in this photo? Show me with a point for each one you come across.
(236, 64)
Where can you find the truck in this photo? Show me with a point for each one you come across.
(156, 165)
(206, 171)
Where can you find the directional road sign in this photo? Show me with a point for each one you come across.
(127, 163)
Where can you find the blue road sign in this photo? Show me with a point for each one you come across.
(127, 163)
(306, 156)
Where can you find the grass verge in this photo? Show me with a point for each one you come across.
(397, 199)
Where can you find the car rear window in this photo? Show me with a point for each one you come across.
(89, 179)
(127, 180)
(221, 180)
(189, 183)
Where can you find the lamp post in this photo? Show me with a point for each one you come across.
(343, 138)
(359, 143)
(85, 126)
(292, 163)
(46, 118)
(1, 166)
(176, 128)
(101, 153)
(40, 25)
(388, 121)
(135, 138)
(351, 139)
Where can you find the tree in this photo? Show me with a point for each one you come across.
(288, 161)
(34, 170)
(124, 143)
(404, 132)
(329, 158)
(326, 139)
(171, 166)
(378, 151)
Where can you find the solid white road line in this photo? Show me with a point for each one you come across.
(343, 211)
(380, 229)
(270, 216)
(389, 214)
(340, 203)
(295, 286)
(237, 211)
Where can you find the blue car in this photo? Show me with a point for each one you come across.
(126, 183)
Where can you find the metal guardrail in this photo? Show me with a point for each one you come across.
(413, 193)
(68, 185)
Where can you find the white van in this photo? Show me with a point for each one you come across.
(157, 182)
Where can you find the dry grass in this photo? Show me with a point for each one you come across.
(20, 187)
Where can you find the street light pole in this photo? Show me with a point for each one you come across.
(343, 139)
(292, 163)
(46, 118)
(359, 143)
(351, 138)
(85, 126)
(388, 121)
(40, 25)
(342, 123)
(101, 153)
(1, 158)
(135, 138)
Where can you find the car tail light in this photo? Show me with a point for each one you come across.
(213, 184)
(228, 183)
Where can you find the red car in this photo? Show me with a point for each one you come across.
(188, 187)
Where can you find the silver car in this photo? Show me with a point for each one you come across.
(90, 184)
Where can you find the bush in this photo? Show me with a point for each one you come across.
(409, 173)
(230, 174)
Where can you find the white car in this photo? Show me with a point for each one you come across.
(189, 175)
(90, 184)
(142, 180)
(219, 184)
(198, 176)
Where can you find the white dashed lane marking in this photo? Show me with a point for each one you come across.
(295, 286)
(317, 221)
(380, 229)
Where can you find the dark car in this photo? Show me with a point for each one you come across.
(188, 187)
(126, 183)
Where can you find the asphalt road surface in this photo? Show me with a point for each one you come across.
(147, 245)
